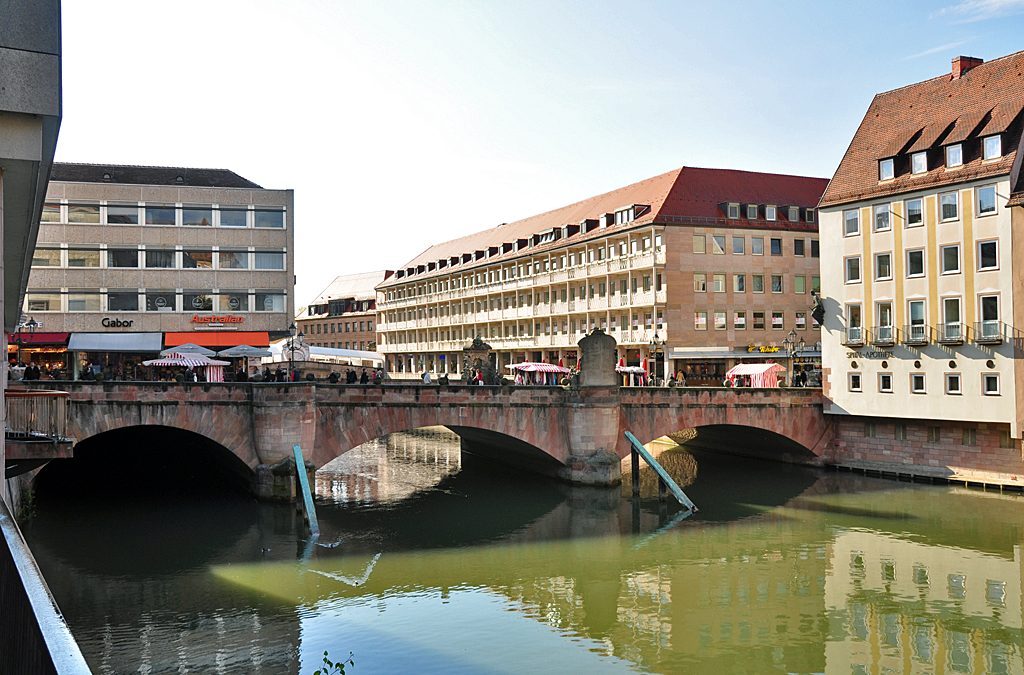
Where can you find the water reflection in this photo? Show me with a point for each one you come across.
(445, 564)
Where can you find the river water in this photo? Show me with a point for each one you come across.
(434, 562)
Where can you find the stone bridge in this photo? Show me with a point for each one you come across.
(566, 433)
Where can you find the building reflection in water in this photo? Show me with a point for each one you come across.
(391, 468)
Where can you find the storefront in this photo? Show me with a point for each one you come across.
(49, 351)
(807, 364)
(707, 367)
(114, 356)
(218, 340)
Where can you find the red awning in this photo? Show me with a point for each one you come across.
(38, 338)
(224, 338)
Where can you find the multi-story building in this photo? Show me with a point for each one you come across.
(699, 267)
(344, 316)
(131, 259)
(924, 303)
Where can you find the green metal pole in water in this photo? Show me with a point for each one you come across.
(307, 496)
(663, 477)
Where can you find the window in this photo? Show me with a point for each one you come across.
(758, 320)
(954, 156)
(950, 259)
(990, 327)
(953, 383)
(51, 213)
(269, 218)
(885, 383)
(986, 200)
(853, 322)
(739, 320)
(798, 247)
(158, 258)
(776, 246)
(700, 320)
(793, 214)
(851, 222)
(122, 214)
(160, 301)
(777, 323)
(990, 384)
(751, 211)
(758, 280)
(769, 212)
(42, 302)
(918, 332)
(934, 436)
(915, 213)
(198, 301)
(883, 221)
(269, 260)
(46, 257)
(87, 213)
(719, 281)
(885, 169)
(122, 257)
(992, 147)
(233, 260)
(158, 214)
(988, 258)
(948, 206)
(698, 243)
(197, 216)
(269, 302)
(720, 321)
(127, 301)
(776, 283)
(801, 320)
(737, 245)
(700, 282)
(757, 246)
(83, 258)
(718, 245)
(899, 432)
(883, 266)
(197, 259)
(83, 302)
(238, 301)
(853, 381)
(799, 284)
(816, 284)
(739, 283)
(852, 269)
(733, 211)
(233, 217)
(919, 162)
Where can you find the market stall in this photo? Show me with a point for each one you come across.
(213, 369)
(529, 372)
(758, 374)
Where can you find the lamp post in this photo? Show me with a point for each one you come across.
(657, 349)
(789, 344)
(19, 337)
(291, 351)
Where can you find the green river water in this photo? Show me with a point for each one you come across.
(435, 562)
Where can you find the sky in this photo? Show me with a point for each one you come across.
(402, 124)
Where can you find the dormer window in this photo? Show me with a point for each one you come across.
(919, 163)
(547, 237)
(886, 170)
(770, 212)
(733, 210)
(751, 211)
(809, 215)
(992, 147)
(793, 214)
(954, 156)
(624, 216)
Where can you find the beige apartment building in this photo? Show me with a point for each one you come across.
(130, 260)
(918, 268)
(693, 270)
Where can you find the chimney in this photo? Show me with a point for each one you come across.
(962, 64)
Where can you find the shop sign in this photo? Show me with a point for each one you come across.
(218, 322)
(116, 323)
(754, 349)
(869, 354)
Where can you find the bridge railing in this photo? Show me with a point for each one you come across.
(36, 414)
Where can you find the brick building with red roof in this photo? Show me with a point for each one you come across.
(923, 302)
(693, 266)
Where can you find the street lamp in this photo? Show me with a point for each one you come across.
(790, 344)
(657, 349)
(19, 337)
(291, 351)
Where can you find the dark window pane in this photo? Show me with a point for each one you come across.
(798, 247)
(122, 215)
(122, 258)
(160, 214)
(160, 302)
(123, 302)
(232, 217)
(197, 217)
(194, 259)
(160, 259)
(815, 248)
(776, 247)
(198, 302)
(987, 253)
(270, 219)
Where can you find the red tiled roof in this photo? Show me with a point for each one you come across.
(985, 100)
(677, 196)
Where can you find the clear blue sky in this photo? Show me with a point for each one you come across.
(400, 124)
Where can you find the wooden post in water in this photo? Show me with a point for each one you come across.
(634, 457)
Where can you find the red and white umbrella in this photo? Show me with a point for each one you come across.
(560, 364)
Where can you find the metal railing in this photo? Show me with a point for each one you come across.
(989, 332)
(950, 333)
(916, 334)
(883, 336)
(853, 337)
(36, 414)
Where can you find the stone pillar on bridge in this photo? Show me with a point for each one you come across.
(477, 355)
(282, 415)
(598, 355)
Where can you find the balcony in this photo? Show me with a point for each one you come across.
(883, 336)
(989, 332)
(916, 334)
(852, 337)
(950, 333)
(597, 303)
